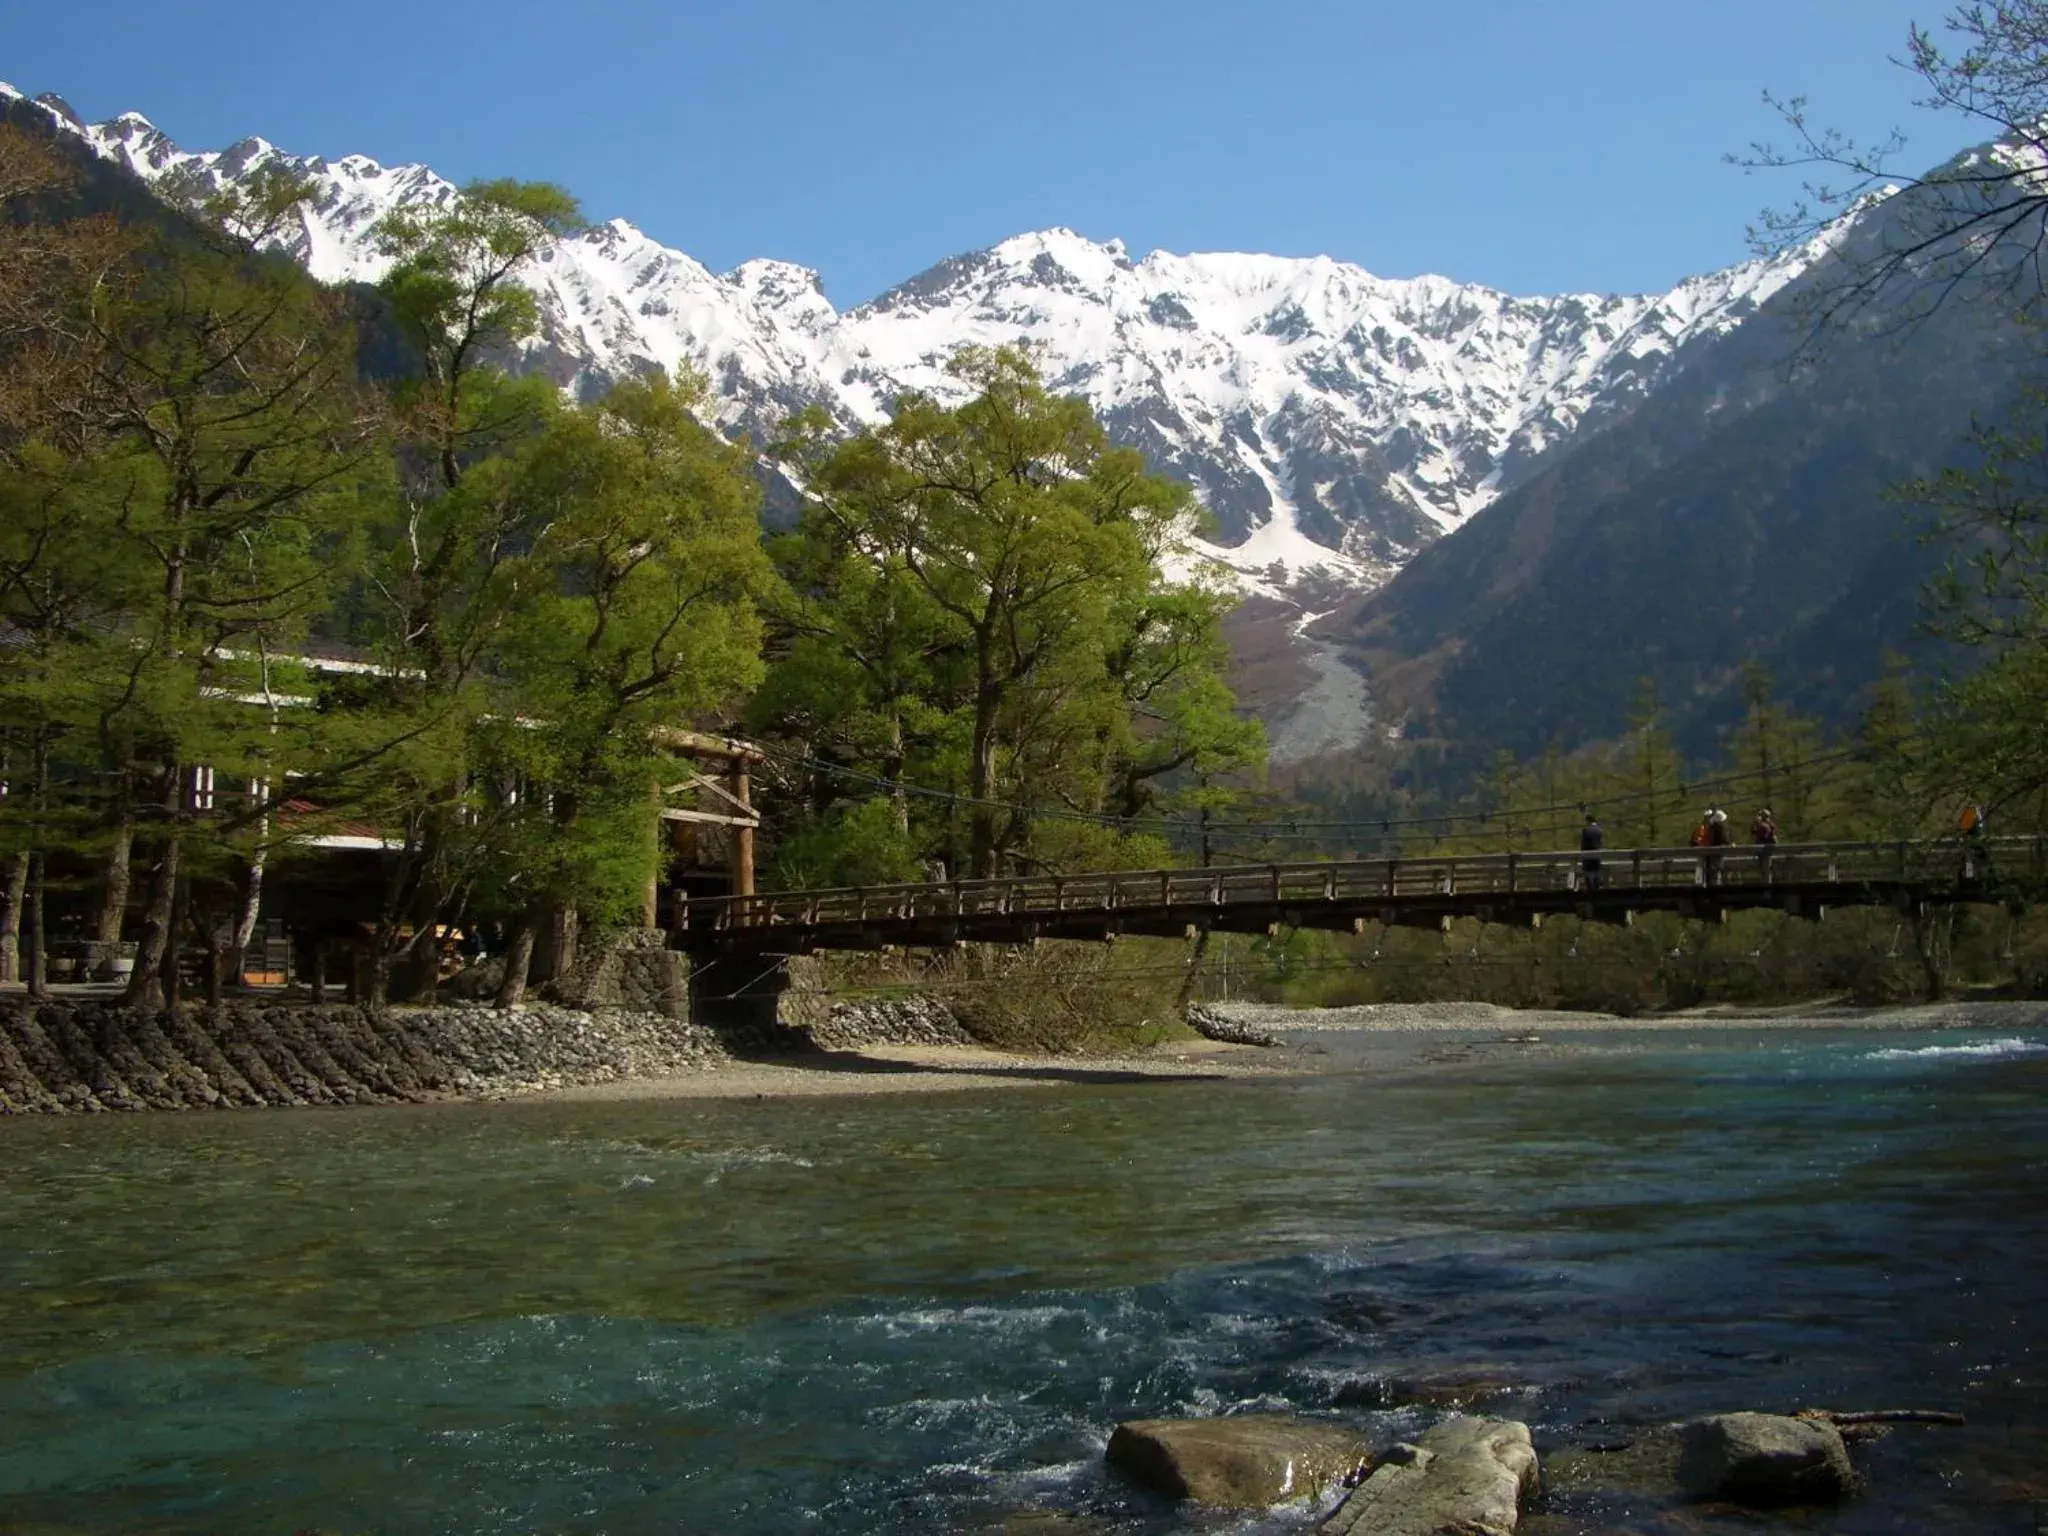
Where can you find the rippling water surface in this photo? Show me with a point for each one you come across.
(923, 1313)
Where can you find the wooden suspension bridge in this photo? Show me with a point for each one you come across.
(741, 939)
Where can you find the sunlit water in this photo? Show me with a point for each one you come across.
(924, 1313)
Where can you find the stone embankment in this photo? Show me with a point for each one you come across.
(83, 1056)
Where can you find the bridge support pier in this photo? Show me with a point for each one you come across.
(738, 991)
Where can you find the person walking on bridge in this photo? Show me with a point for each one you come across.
(1718, 839)
(1763, 832)
(1592, 836)
(1971, 825)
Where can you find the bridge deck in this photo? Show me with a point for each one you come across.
(1426, 892)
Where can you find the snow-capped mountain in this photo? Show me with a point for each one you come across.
(1332, 421)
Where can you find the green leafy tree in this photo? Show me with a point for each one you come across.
(860, 679)
(1884, 793)
(176, 496)
(1650, 809)
(1773, 761)
(443, 581)
(457, 289)
(1981, 740)
(635, 609)
(985, 580)
(234, 429)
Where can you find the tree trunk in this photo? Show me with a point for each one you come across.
(981, 783)
(251, 914)
(554, 948)
(145, 982)
(892, 770)
(10, 917)
(405, 874)
(512, 990)
(312, 954)
(219, 942)
(173, 973)
(1927, 948)
(36, 969)
(115, 879)
(416, 969)
(114, 883)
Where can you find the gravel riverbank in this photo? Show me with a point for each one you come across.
(82, 1055)
(1466, 1017)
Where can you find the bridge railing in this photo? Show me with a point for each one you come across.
(1397, 880)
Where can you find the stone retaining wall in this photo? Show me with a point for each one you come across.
(82, 1056)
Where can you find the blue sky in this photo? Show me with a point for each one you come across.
(1536, 145)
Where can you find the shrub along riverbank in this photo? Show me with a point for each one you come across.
(1055, 999)
(1865, 956)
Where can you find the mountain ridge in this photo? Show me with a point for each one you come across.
(1332, 421)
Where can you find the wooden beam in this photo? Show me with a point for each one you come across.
(724, 749)
(711, 818)
(709, 785)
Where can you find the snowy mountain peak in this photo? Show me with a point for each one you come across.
(1094, 263)
(1331, 420)
(776, 281)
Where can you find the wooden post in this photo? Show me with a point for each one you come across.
(742, 837)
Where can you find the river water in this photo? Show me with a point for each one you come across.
(924, 1312)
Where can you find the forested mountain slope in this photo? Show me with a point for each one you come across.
(1747, 512)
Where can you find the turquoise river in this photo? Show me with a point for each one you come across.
(925, 1312)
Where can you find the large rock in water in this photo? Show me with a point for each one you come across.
(1246, 1461)
(1764, 1460)
(1465, 1475)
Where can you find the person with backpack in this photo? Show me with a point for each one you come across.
(1971, 825)
(1717, 838)
(1763, 832)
